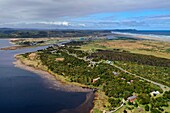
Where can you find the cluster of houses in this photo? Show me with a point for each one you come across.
(129, 99)
(134, 97)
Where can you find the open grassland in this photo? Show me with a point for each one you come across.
(147, 47)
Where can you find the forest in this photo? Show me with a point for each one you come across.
(155, 73)
(117, 55)
(116, 84)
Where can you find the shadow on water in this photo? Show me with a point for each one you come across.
(22, 91)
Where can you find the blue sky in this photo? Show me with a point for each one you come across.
(86, 14)
(143, 19)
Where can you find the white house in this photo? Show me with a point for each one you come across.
(154, 93)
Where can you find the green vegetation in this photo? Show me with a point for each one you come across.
(146, 108)
(153, 68)
(116, 55)
(168, 50)
(83, 67)
(156, 73)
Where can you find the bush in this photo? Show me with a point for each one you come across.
(124, 111)
(155, 111)
(146, 108)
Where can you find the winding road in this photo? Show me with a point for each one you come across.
(163, 87)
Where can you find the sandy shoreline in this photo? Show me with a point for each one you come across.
(85, 107)
(145, 36)
(51, 80)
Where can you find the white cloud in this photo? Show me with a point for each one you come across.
(55, 23)
(52, 12)
(82, 25)
(53, 9)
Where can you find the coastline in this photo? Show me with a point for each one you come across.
(145, 36)
(86, 107)
(13, 47)
(66, 86)
(58, 84)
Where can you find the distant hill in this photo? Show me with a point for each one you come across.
(125, 30)
(37, 33)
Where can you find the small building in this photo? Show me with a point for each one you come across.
(59, 45)
(154, 93)
(62, 45)
(115, 73)
(128, 83)
(92, 63)
(131, 81)
(96, 79)
(132, 98)
(123, 79)
(109, 62)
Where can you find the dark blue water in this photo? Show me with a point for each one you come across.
(22, 91)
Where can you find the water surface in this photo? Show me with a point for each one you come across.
(22, 91)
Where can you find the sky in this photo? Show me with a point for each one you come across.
(86, 14)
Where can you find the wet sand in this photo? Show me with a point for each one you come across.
(146, 37)
(51, 79)
(13, 47)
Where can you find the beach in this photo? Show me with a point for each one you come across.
(144, 36)
(51, 78)
(85, 107)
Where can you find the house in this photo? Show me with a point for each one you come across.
(128, 82)
(123, 79)
(61, 45)
(96, 79)
(109, 62)
(115, 73)
(131, 81)
(92, 63)
(132, 98)
(154, 93)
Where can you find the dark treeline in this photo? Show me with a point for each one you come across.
(16, 33)
(130, 57)
(76, 43)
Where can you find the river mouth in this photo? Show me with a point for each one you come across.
(22, 91)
